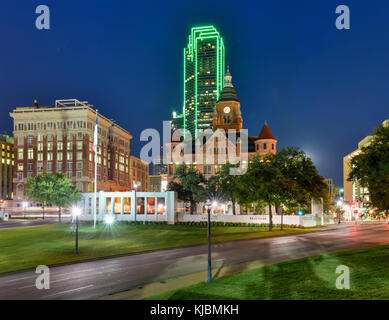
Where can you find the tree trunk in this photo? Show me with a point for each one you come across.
(191, 207)
(59, 214)
(282, 219)
(43, 212)
(233, 206)
(270, 218)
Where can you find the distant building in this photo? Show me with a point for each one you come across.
(204, 65)
(227, 115)
(158, 183)
(59, 139)
(330, 186)
(6, 167)
(177, 121)
(139, 174)
(353, 192)
(159, 167)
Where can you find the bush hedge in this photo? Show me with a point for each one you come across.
(233, 224)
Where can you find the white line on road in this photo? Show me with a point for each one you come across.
(67, 291)
(12, 280)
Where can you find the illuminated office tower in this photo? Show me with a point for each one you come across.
(204, 67)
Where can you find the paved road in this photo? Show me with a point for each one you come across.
(93, 279)
(15, 223)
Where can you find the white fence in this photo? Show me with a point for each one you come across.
(306, 221)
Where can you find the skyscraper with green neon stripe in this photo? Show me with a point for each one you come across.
(204, 65)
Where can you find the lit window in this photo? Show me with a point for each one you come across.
(30, 153)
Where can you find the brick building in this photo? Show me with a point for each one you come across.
(59, 139)
(228, 116)
(6, 167)
(139, 174)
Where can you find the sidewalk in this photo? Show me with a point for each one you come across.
(156, 288)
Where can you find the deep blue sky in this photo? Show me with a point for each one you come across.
(319, 88)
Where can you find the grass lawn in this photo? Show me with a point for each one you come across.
(310, 278)
(28, 247)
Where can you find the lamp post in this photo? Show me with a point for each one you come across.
(76, 211)
(339, 203)
(208, 207)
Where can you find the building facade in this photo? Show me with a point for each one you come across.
(204, 65)
(353, 192)
(6, 167)
(59, 139)
(227, 115)
(158, 183)
(139, 174)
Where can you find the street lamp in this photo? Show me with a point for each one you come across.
(109, 219)
(214, 205)
(208, 207)
(76, 211)
(25, 204)
(340, 204)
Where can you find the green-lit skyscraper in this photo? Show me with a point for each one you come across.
(204, 66)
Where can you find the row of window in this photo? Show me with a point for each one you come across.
(50, 147)
(50, 137)
(69, 174)
(50, 155)
(30, 126)
(49, 166)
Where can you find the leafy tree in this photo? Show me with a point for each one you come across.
(226, 184)
(300, 180)
(212, 189)
(189, 185)
(289, 178)
(259, 183)
(371, 169)
(53, 189)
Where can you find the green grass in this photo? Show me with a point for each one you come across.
(310, 278)
(28, 247)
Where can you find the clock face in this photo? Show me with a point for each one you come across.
(227, 110)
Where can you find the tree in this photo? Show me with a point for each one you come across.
(226, 184)
(259, 184)
(300, 179)
(53, 189)
(371, 169)
(189, 185)
(288, 177)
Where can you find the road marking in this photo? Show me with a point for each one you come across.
(67, 291)
(12, 280)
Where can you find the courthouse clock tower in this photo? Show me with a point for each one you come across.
(227, 114)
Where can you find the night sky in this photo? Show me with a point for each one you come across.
(319, 88)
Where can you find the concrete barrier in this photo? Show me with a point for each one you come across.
(305, 221)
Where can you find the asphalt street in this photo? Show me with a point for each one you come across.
(93, 279)
(16, 223)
